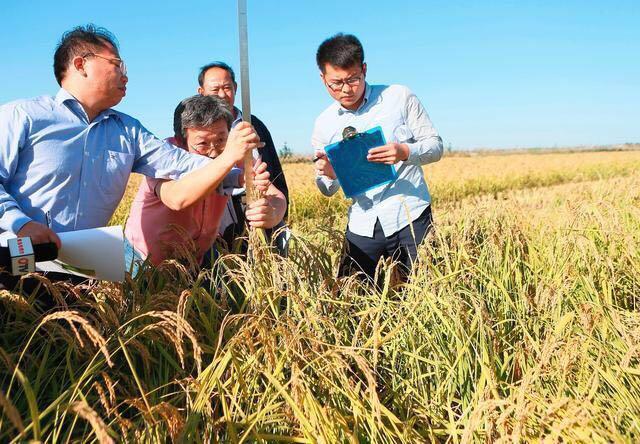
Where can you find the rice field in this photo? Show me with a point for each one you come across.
(519, 324)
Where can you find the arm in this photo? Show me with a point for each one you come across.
(184, 192)
(13, 134)
(326, 180)
(423, 146)
(268, 211)
(160, 159)
(426, 146)
(270, 156)
(14, 128)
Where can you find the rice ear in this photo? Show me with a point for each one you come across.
(82, 409)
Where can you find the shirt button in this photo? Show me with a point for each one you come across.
(84, 183)
(86, 154)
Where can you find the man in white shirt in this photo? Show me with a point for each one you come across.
(390, 220)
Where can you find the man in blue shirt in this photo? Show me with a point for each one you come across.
(65, 160)
(391, 220)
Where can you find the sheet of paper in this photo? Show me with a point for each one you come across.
(96, 253)
(349, 160)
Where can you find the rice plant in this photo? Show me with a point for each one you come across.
(520, 323)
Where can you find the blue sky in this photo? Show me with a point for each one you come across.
(491, 74)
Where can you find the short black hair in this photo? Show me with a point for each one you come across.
(200, 112)
(77, 42)
(177, 121)
(341, 50)
(220, 65)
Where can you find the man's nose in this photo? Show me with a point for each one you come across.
(221, 93)
(125, 79)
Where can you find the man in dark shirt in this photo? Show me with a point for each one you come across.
(218, 79)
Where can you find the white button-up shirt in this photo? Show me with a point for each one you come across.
(403, 120)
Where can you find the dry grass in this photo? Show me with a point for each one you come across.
(498, 167)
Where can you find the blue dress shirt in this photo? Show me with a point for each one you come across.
(53, 160)
(403, 120)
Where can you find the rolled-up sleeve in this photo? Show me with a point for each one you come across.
(160, 159)
(426, 145)
(13, 133)
(327, 186)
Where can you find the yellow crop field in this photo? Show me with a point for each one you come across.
(520, 323)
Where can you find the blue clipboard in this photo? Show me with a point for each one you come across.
(349, 160)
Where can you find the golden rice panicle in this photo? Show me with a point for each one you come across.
(75, 320)
(82, 409)
(11, 413)
(173, 326)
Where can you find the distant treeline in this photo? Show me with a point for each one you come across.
(301, 158)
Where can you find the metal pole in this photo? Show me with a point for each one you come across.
(244, 86)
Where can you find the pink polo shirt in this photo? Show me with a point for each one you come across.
(155, 230)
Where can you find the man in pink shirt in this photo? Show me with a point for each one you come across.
(166, 224)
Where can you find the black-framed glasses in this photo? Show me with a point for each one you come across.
(115, 60)
(351, 82)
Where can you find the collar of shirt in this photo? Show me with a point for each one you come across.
(367, 94)
(64, 97)
(238, 118)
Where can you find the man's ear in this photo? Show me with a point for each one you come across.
(364, 69)
(78, 65)
(235, 87)
(200, 90)
(180, 140)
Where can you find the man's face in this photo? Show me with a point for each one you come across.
(105, 73)
(218, 82)
(345, 85)
(208, 141)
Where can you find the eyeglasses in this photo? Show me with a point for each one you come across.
(115, 60)
(351, 82)
(205, 148)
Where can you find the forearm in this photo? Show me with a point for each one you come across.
(267, 211)
(11, 216)
(13, 220)
(184, 192)
(278, 202)
(325, 184)
(161, 160)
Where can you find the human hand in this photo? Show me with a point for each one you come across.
(242, 139)
(323, 166)
(261, 214)
(39, 233)
(388, 154)
(261, 177)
